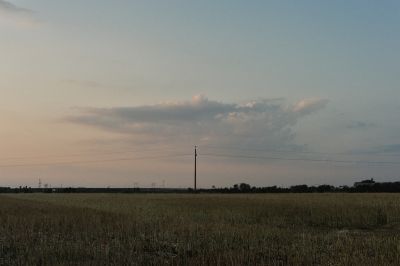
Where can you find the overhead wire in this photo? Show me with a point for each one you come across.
(206, 154)
(96, 153)
(93, 161)
(299, 159)
(297, 151)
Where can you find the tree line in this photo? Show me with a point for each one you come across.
(390, 187)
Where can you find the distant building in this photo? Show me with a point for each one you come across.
(365, 183)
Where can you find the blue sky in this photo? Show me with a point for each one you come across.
(70, 66)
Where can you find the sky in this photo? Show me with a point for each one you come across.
(118, 93)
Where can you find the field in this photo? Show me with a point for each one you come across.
(200, 229)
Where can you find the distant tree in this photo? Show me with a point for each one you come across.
(244, 187)
(299, 189)
(325, 188)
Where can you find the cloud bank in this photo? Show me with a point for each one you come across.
(259, 123)
(389, 149)
(360, 125)
(21, 16)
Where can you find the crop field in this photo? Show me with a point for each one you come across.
(200, 229)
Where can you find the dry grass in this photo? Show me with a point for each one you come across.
(156, 229)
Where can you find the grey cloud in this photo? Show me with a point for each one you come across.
(392, 148)
(84, 83)
(360, 125)
(21, 16)
(389, 149)
(197, 110)
(308, 106)
(266, 123)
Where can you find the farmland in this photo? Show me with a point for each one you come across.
(200, 229)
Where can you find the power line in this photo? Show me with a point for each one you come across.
(298, 152)
(184, 155)
(85, 153)
(95, 161)
(299, 159)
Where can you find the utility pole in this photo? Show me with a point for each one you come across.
(195, 168)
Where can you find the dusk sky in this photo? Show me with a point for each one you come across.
(118, 93)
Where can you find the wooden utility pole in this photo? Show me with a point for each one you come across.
(195, 168)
